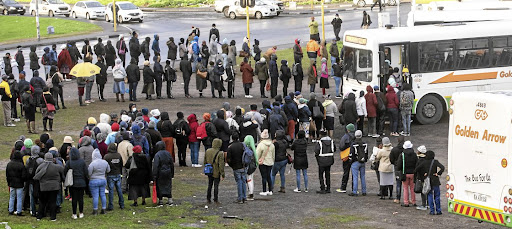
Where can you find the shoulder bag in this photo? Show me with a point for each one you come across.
(426, 183)
(208, 168)
(68, 181)
(50, 107)
(317, 112)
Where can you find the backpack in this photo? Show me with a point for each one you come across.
(360, 151)
(179, 131)
(381, 107)
(294, 70)
(201, 131)
(32, 167)
(170, 73)
(49, 82)
(248, 156)
(265, 116)
(406, 100)
(208, 168)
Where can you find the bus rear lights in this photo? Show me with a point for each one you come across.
(505, 209)
(451, 196)
(505, 199)
(450, 111)
(452, 187)
(447, 186)
(509, 209)
(447, 195)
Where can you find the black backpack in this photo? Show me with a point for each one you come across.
(179, 130)
(381, 107)
(32, 167)
(360, 150)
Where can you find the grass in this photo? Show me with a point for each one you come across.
(159, 3)
(16, 28)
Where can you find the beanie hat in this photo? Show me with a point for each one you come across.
(408, 145)
(375, 88)
(87, 132)
(207, 116)
(137, 149)
(351, 128)
(28, 143)
(91, 121)
(115, 127)
(386, 141)
(145, 111)
(302, 100)
(297, 93)
(264, 134)
(358, 134)
(152, 124)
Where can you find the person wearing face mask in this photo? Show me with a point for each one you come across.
(132, 110)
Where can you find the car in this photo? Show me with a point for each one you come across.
(222, 6)
(11, 7)
(278, 4)
(50, 8)
(259, 11)
(88, 9)
(127, 11)
(363, 3)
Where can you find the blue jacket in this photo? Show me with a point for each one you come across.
(195, 45)
(139, 139)
(155, 46)
(53, 57)
(290, 109)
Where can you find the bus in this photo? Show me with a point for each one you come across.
(442, 59)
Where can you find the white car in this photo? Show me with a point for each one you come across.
(222, 6)
(259, 11)
(88, 9)
(50, 8)
(363, 3)
(127, 11)
(277, 4)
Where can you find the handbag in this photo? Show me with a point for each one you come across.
(68, 181)
(312, 127)
(290, 158)
(426, 183)
(317, 112)
(267, 87)
(50, 107)
(121, 50)
(224, 76)
(344, 154)
(342, 119)
(154, 195)
(262, 159)
(202, 74)
(208, 168)
(375, 165)
(243, 54)
(418, 186)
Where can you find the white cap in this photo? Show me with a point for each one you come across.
(408, 145)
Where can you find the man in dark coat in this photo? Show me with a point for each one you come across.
(393, 158)
(298, 76)
(101, 79)
(274, 75)
(134, 47)
(38, 84)
(336, 24)
(173, 50)
(34, 59)
(186, 69)
(163, 172)
(223, 131)
(133, 75)
(324, 153)
(16, 175)
(291, 110)
(234, 158)
(277, 122)
(286, 74)
(349, 110)
(217, 73)
(20, 59)
(313, 102)
(99, 48)
(159, 71)
(215, 31)
(144, 48)
(181, 132)
(115, 161)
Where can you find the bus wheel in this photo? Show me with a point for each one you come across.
(429, 110)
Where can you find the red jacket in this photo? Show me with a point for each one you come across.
(64, 58)
(391, 97)
(192, 122)
(371, 102)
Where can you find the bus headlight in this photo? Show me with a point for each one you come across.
(448, 179)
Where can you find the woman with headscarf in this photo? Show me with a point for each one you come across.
(64, 62)
(98, 170)
(213, 49)
(121, 49)
(148, 77)
(139, 176)
(246, 51)
(110, 55)
(297, 51)
(249, 142)
(232, 52)
(173, 50)
(163, 172)
(119, 78)
(50, 177)
(80, 177)
(324, 76)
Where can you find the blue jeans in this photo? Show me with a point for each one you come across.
(393, 118)
(195, 57)
(59, 197)
(97, 188)
(88, 89)
(305, 173)
(398, 189)
(241, 183)
(280, 167)
(333, 60)
(32, 199)
(16, 193)
(358, 167)
(114, 181)
(194, 152)
(434, 195)
(406, 121)
(337, 81)
(133, 90)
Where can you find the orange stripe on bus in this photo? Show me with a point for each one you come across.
(456, 209)
(488, 216)
(467, 210)
(501, 218)
(494, 217)
(461, 209)
(466, 77)
(474, 212)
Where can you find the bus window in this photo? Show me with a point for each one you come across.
(502, 51)
(472, 53)
(357, 64)
(436, 56)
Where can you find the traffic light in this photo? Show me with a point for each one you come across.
(245, 3)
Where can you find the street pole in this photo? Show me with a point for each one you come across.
(323, 21)
(311, 1)
(398, 12)
(247, 19)
(115, 16)
(37, 21)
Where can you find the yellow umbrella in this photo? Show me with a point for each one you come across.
(85, 69)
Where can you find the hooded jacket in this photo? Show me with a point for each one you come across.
(424, 167)
(114, 160)
(134, 47)
(156, 45)
(272, 67)
(192, 123)
(141, 175)
(277, 122)
(148, 75)
(324, 152)
(133, 73)
(98, 168)
(139, 139)
(314, 102)
(86, 150)
(34, 59)
(280, 145)
(256, 50)
(183, 138)
(333, 50)
(163, 169)
(213, 45)
(297, 50)
(218, 166)
(261, 70)
(286, 73)
(49, 174)
(247, 73)
(16, 173)
(266, 150)
(304, 113)
(330, 108)
(80, 173)
(104, 125)
(173, 49)
(222, 127)
(195, 45)
(391, 98)
(349, 109)
(290, 109)
(371, 102)
(165, 126)
(312, 75)
(300, 156)
(407, 161)
(144, 47)
(384, 160)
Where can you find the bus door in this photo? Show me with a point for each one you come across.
(392, 56)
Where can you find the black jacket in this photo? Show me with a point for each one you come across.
(134, 47)
(140, 175)
(165, 126)
(183, 138)
(248, 128)
(312, 103)
(34, 59)
(16, 173)
(395, 152)
(222, 127)
(349, 109)
(300, 154)
(299, 76)
(159, 70)
(286, 73)
(424, 167)
(80, 172)
(186, 68)
(133, 73)
(148, 74)
(324, 152)
(280, 145)
(234, 155)
(115, 161)
(110, 54)
(338, 71)
(102, 77)
(99, 49)
(409, 159)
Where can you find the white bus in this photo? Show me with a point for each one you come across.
(442, 59)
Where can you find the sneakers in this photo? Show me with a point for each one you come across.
(196, 166)
(306, 190)
(81, 215)
(341, 190)
(269, 193)
(87, 101)
(74, 216)
(375, 136)
(248, 96)
(263, 193)
(338, 97)
(352, 194)
(250, 197)
(297, 190)
(396, 201)
(11, 125)
(67, 197)
(422, 208)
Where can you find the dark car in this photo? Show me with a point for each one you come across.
(11, 7)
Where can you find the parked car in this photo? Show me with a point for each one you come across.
(50, 8)
(126, 11)
(259, 11)
(88, 9)
(277, 4)
(11, 7)
(363, 3)
(222, 6)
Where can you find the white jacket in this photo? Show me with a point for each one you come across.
(361, 106)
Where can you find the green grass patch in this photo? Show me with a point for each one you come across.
(15, 28)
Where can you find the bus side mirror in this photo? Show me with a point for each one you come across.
(382, 64)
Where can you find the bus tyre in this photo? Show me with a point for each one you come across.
(361, 3)
(429, 110)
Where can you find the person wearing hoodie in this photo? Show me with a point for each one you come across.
(291, 110)
(205, 53)
(182, 48)
(218, 71)
(274, 75)
(102, 146)
(16, 175)
(115, 162)
(213, 48)
(193, 142)
(381, 113)
(298, 76)
(312, 76)
(422, 150)
(133, 77)
(125, 149)
(99, 48)
(139, 139)
(248, 127)
(20, 59)
(134, 46)
(324, 76)
(159, 71)
(313, 102)
(358, 157)
(104, 125)
(335, 53)
(215, 157)
(249, 142)
(231, 75)
(405, 164)
(210, 129)
(32, 163)
(300, 160)
(361, 110)
(371, 108)
(149, 77)
(330, 109)
(247, 76)
(29, 108)
(234, 158)
(346, 142)
(101, 79)
(433, 169)
(144, 47)
(261, 70)
(392, 110)
(285, 76)
(172, 51)
(277, 121)
(297, 51)
(50, 177)
(156, 45)
(304, 116)
(232, 52)
(139, 176)
(86, 150)
(196, 50)
(256, 50)
(181, 134)
(223, 131)
(386, 169)
(324, 153)
(349, 110)
(155, 137)
(87, 51)
(120, 77)
(167, 131)
(265, 152)
(225, 50)
(163, 173)
(80, 177)
(45, 61)
(121, 48)
(34, 59)
(281, 159)
(38, 84)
